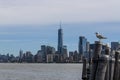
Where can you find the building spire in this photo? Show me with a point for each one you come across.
(60, 25)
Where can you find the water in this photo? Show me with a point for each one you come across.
(40, 71)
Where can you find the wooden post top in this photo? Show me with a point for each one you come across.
(98, 42)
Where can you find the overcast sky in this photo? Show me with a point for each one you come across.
(51, 11)
(26, 24)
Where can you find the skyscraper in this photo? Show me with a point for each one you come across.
(44, 52)
(115, 45)
(20, 54)
(82, 46)
(60, 40)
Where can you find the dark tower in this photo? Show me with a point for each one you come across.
(60, 40)
(82, 45)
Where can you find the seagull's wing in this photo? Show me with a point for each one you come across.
(105, 37)
(102, 37)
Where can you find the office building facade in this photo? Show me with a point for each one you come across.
(115, 45)
(82, 47)
(60, 40)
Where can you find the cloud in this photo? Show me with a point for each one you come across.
(51, 11)
(8, 40)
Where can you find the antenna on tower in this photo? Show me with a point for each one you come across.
(60, 25)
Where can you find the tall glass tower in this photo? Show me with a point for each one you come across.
(60, 40)
(82, 45)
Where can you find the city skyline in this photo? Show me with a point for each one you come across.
(30, 39)
(28, 24)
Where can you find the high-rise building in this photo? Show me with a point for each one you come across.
(47, 53)
(38, 56)
(115, 45)
(76, 56)
(50, 54)
(60, 40)
(82, 48)
(71, 55)
(65, 53)
(20, 54)
(44, 52)
(28, 57)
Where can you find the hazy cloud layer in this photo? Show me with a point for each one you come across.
(52, 11)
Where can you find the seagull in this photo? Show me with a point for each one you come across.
(99, 36)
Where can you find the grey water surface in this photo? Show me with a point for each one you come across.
(26, 71)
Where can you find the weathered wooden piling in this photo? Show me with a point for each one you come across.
(111, 67)
(97, 52)
(119, 67)
(102, 67)
(84, 72)
(107, 52)
(116, 68)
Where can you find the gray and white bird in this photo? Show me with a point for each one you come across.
(99, 36)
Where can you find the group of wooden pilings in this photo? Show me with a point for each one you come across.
(102, 66)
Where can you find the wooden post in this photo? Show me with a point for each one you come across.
(119, 67)
(84, 73)
(107, 52)
(97, 52)
(116, 68)
(111, 67)
(102, 67)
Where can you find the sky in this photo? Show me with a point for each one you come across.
(28, 24)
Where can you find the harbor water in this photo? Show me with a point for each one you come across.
(26, 71)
